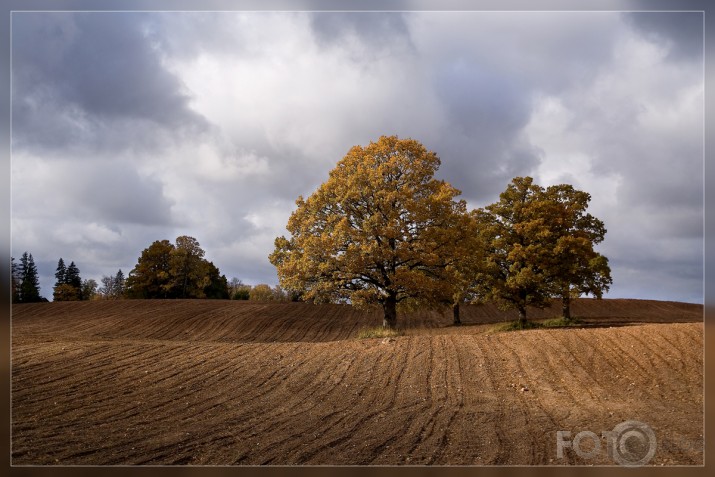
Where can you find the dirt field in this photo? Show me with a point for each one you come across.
(220, 383)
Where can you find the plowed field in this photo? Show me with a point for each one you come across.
(221, 383)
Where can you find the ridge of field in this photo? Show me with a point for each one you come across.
(239, 321)
(225, 383)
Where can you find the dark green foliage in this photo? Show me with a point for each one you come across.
(89, 289)
(69, 286)
(61, 273)
(217, 288)
(243, 293)
(29, 281)
(150, 278)
(165, 270)
(15, 280)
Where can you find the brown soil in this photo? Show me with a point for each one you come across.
(220, 383)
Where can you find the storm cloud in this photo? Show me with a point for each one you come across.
(134, 127)
(93, 81)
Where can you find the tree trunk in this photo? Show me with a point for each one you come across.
(390, 308)
(522, 316)
(455, 313)
(566, 306)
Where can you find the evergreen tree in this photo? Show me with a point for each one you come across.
(62, 291)
(74, 280)
(119, 284)
(16, 280)
(30, 286)
(61, 273)
(217, 288)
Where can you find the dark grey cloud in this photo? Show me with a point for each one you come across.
(480, 100)
(486, 109)
(77, 76)
(680, 32)
(376, 30)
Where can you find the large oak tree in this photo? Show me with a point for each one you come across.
(381, 230)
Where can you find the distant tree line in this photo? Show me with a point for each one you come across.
(163, 270)
(261, 292)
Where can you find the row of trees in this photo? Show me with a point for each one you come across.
(382, 230)
(164, 270)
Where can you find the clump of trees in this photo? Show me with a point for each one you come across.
(237, 290)
(383, 231)
(113, 287)
(538, 244)
(25, 284)
(166, 270)
(69, 286)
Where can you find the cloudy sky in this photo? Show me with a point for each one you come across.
(134, 127)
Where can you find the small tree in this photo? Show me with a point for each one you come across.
(261, 292)
(242, 292)
(112, 287)
(74, 280)
(516, 238)
(63, 290)
(106, 290)
(381, 230)
(119, 284)
(467, 263)
(61, 273)
(89, 289)
(575, 267)
(66, 292)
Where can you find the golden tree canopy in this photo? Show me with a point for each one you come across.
(380, 230)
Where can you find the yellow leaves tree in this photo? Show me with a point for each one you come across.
(539, 244)
(381, 230)
(575, 267)
(515, 231)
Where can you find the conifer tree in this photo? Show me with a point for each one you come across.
(30, 284)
